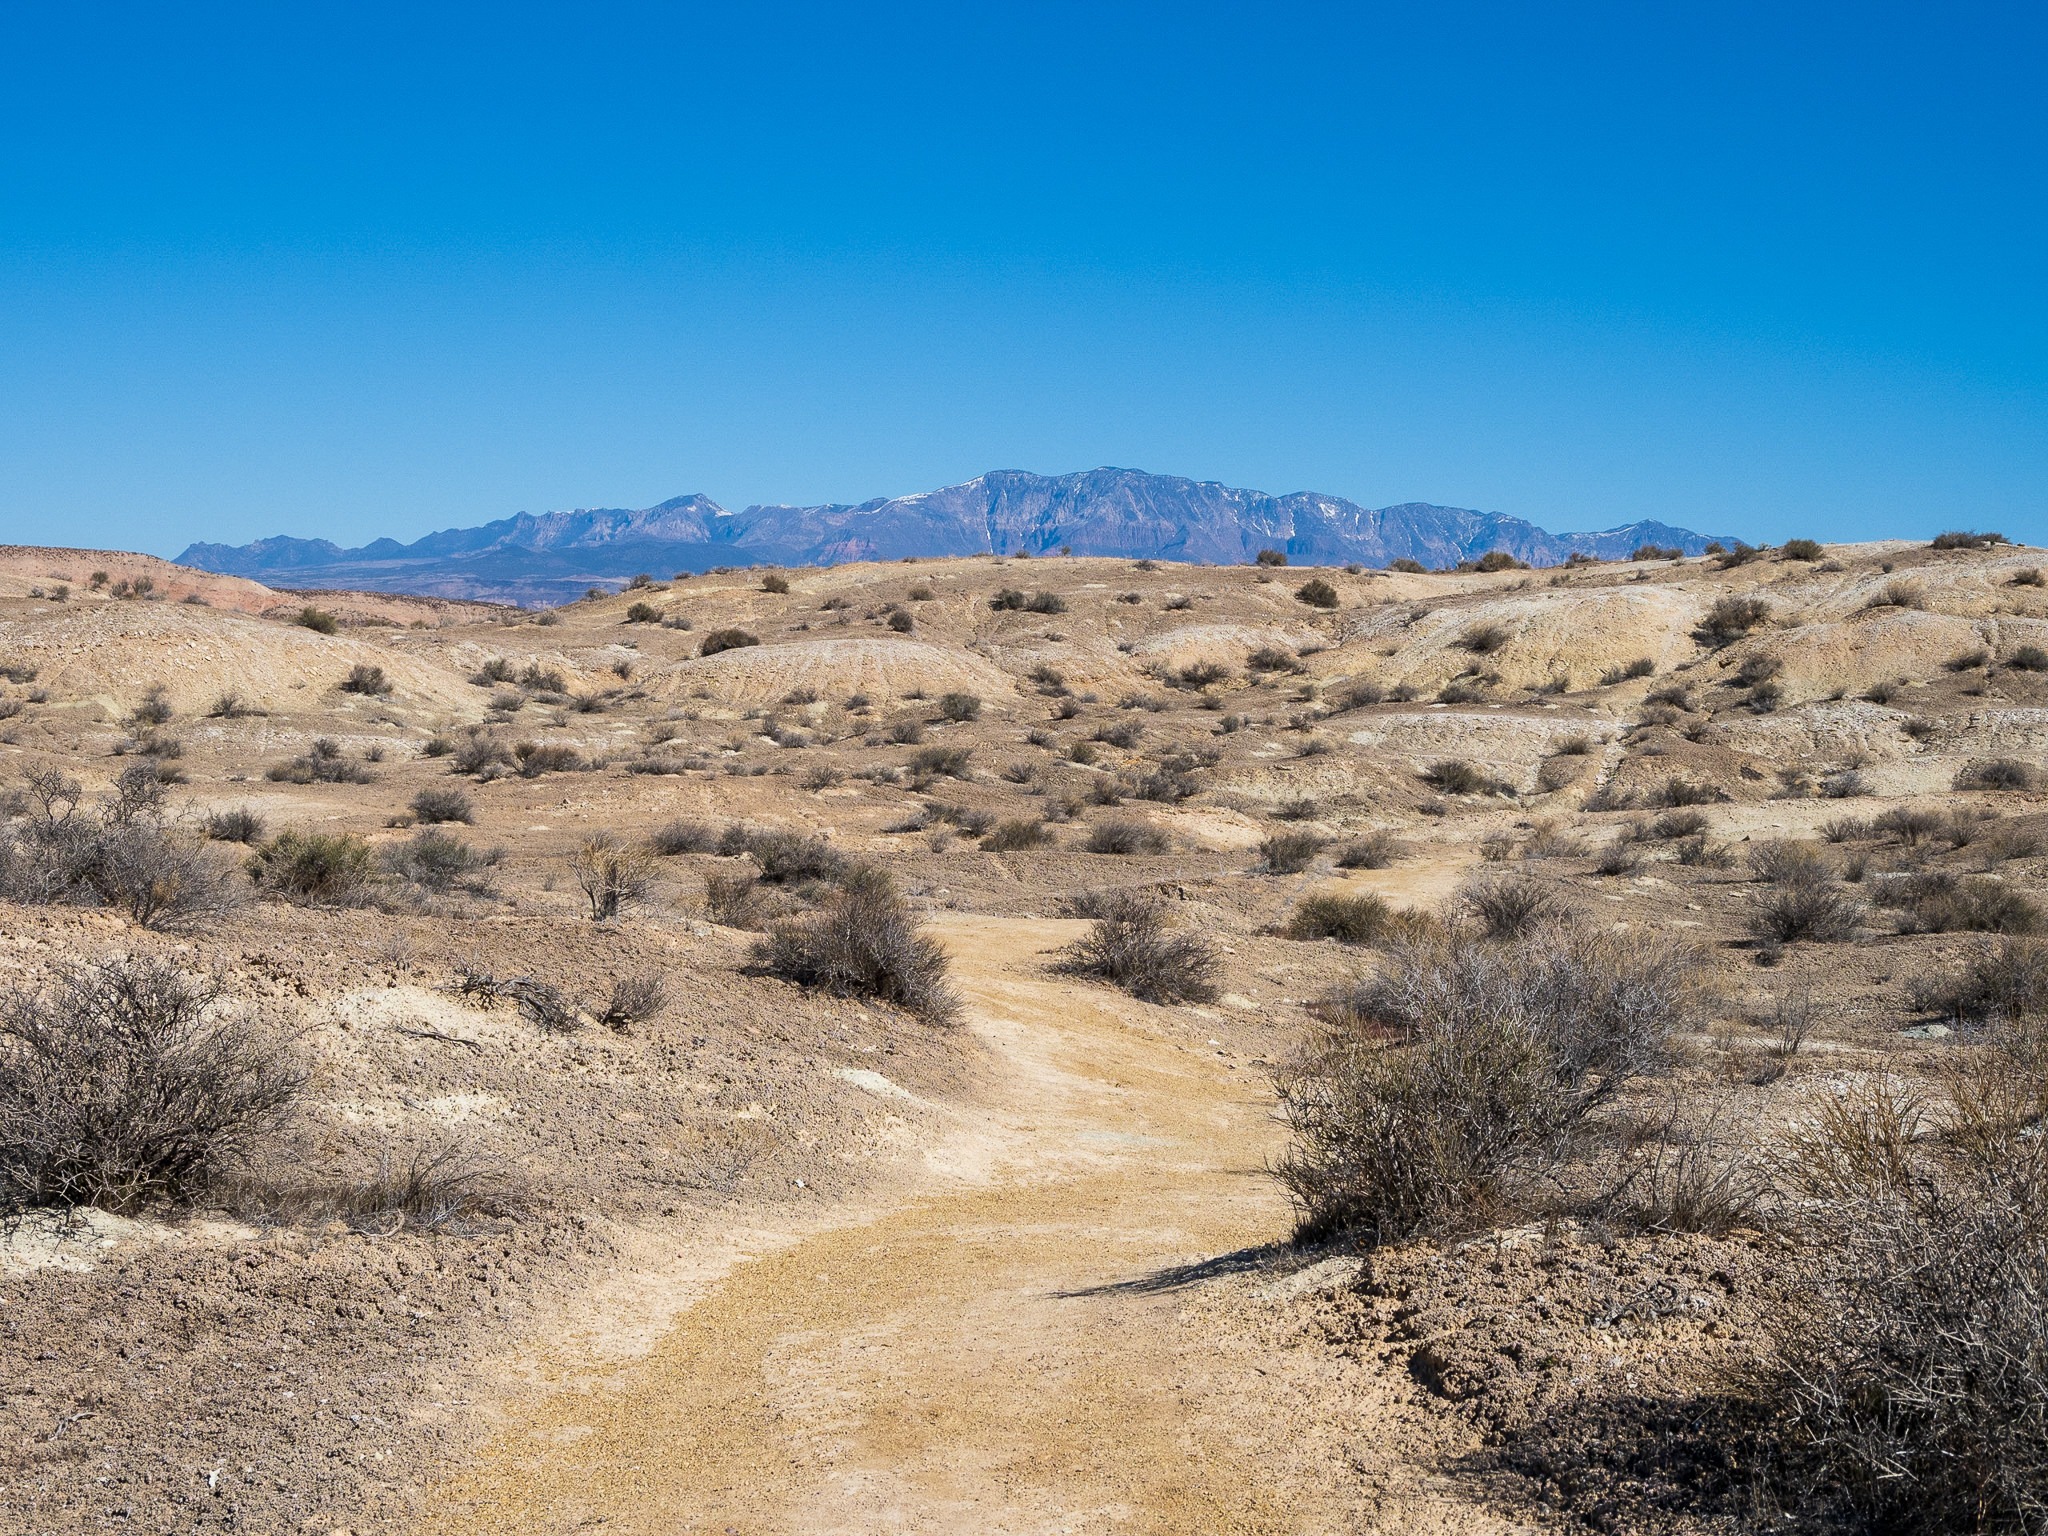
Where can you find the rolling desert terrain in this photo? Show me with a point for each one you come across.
(566, 1178)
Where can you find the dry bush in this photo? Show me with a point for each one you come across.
(2001, 773)
(1620, 857)
(1375, 850)
(635, 999)
(316, 868)
(121, 854)
(1455, 776)
(677, 837)
(1289, 853)
(1555, 773)
(610, 873)
(366, 679)
(442, 803)
(864, 942)
(435, 861)
(786, 858)
(1352, 919)
(1677, 791)
(1730, 618)
(2002, 983)
(538, 757)
(479, 752)
(1936, 901)
(1131, 947)
(726, 640)
(1464, 1074)
(1913, 1352)
(1125, 835)
(1016, 835)
(960, 707)
(1786, 859)
(239, 824)
(321, 763)
(1642, 666)
(733, 901)
(1700, 853)
(941, 763)
(1513, 906)
(1803, 908)
(444, 1187)
(122, 1087)
(1317, 593)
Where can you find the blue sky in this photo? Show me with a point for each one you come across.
(350, 270)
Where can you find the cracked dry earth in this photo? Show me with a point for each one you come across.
(1011, 1348)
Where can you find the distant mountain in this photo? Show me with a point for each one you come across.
(555, 556)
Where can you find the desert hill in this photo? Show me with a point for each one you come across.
(593, 1193)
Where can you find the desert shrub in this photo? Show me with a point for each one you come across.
(1673, 825)
(1848, 829)
(1968, 661)
(725, 640)
(237, 825)
(610, 873)
(1455, 776)
(733, 900)
(1730, 618)
(2001, 773)
(1201, 674)
(1132, 947)
(1903, 824)
(941, 762)
(538, 757)
(864, 942)
(1125, 835)
(1407, 564)
(1289, 853)
(643, 613)
(1805, 907)
(1351, 919)
(497, 669)
(1656, 552)
(1485, 639)
(906, 733)
(316, 868)
(2028, 658)
(1936, 901)
(1045, 602)
(1676, 791)
(1317, 593)
(1498, 560)
(1121, 733)
(322, 763)
(435, 861)
(442, 802)
(959, 707)
(1458, 1080)
(120, 855)
(634, 999)
(1017, 835)
(366, 679)
(1642, 666)
(536, 678)
(1699, 853)
(1620, 857)
(1375, 850)
(1801, 549)
(775, 582)
(902, 622)
(440, 1187)
(2032, 576)
(676, 837)
(1268, 658)
(2002, 983)
(317, 621)
(1270, 557)
(1512, 906)
(1913, 1358)
(1958, 539)
(1788, 860)
(122, 1087)
(1555, 773)
(785, 858)
(478, 752)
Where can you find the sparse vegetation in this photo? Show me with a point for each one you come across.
(611, 874)
(1132, 947)
(864, 942)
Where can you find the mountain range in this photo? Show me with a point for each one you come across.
(552, 557)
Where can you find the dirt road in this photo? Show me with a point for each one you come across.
(999, 1353)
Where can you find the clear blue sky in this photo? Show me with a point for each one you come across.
(355, 269)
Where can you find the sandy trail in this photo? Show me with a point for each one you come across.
(998, 1354)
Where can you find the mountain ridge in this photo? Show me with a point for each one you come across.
(555, 556)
